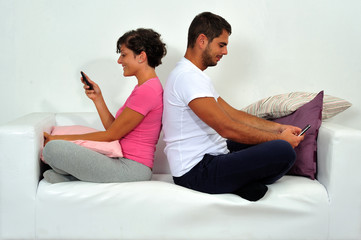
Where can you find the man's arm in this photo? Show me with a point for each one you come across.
(262, 124)
(249, 119)
(220, 116)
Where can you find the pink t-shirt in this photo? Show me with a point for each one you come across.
(139, 144)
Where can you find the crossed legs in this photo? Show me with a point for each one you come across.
(71, 162)
(245, 171)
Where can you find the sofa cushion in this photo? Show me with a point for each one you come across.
(162, 210)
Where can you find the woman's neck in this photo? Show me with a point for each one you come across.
(145, 75)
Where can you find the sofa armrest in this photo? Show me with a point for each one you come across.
(339, 165)
(20, 144)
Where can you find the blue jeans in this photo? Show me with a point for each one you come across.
(264, 163)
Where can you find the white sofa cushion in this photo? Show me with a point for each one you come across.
(163, 210)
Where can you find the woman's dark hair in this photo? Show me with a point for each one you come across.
(208, 24)
(146, 40)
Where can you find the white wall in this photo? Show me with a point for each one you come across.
(276, 47)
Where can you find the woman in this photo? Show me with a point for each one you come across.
(136, 125)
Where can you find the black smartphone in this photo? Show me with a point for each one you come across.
(304, 130)
(86, 81)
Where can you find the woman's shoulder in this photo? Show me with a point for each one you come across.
(153, 85)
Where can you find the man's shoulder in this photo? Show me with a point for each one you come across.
(185, 69)
(183, 66)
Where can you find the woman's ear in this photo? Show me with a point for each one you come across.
(142, 57)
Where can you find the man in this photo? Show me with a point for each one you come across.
(197, 122)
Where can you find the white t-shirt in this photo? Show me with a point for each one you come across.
(187, 137)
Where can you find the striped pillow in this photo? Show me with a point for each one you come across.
(284, 104)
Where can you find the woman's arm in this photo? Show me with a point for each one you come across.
(121, 126)
(96, 96)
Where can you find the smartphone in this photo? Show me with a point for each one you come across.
(86, 81)
(304, 130)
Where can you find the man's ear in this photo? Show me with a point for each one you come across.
(202, 41)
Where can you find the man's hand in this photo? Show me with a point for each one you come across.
(290, 133)
(294, 129)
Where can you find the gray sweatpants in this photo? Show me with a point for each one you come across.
(70, 161)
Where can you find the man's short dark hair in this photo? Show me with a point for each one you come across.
(208, 24)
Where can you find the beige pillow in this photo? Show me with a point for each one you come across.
(284, 104)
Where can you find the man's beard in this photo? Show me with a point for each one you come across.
(207, 58)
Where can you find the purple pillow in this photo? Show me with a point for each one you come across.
(310, 113)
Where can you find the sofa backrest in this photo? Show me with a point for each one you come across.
(92, 120)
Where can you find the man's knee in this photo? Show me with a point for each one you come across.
(285, 151)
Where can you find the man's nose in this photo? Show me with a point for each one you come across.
(225, 50)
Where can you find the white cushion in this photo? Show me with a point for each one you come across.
(163, 210)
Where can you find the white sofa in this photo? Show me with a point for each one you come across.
(293, 208)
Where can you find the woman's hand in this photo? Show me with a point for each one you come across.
(96, 96)
(47, 138)
(92, 94)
